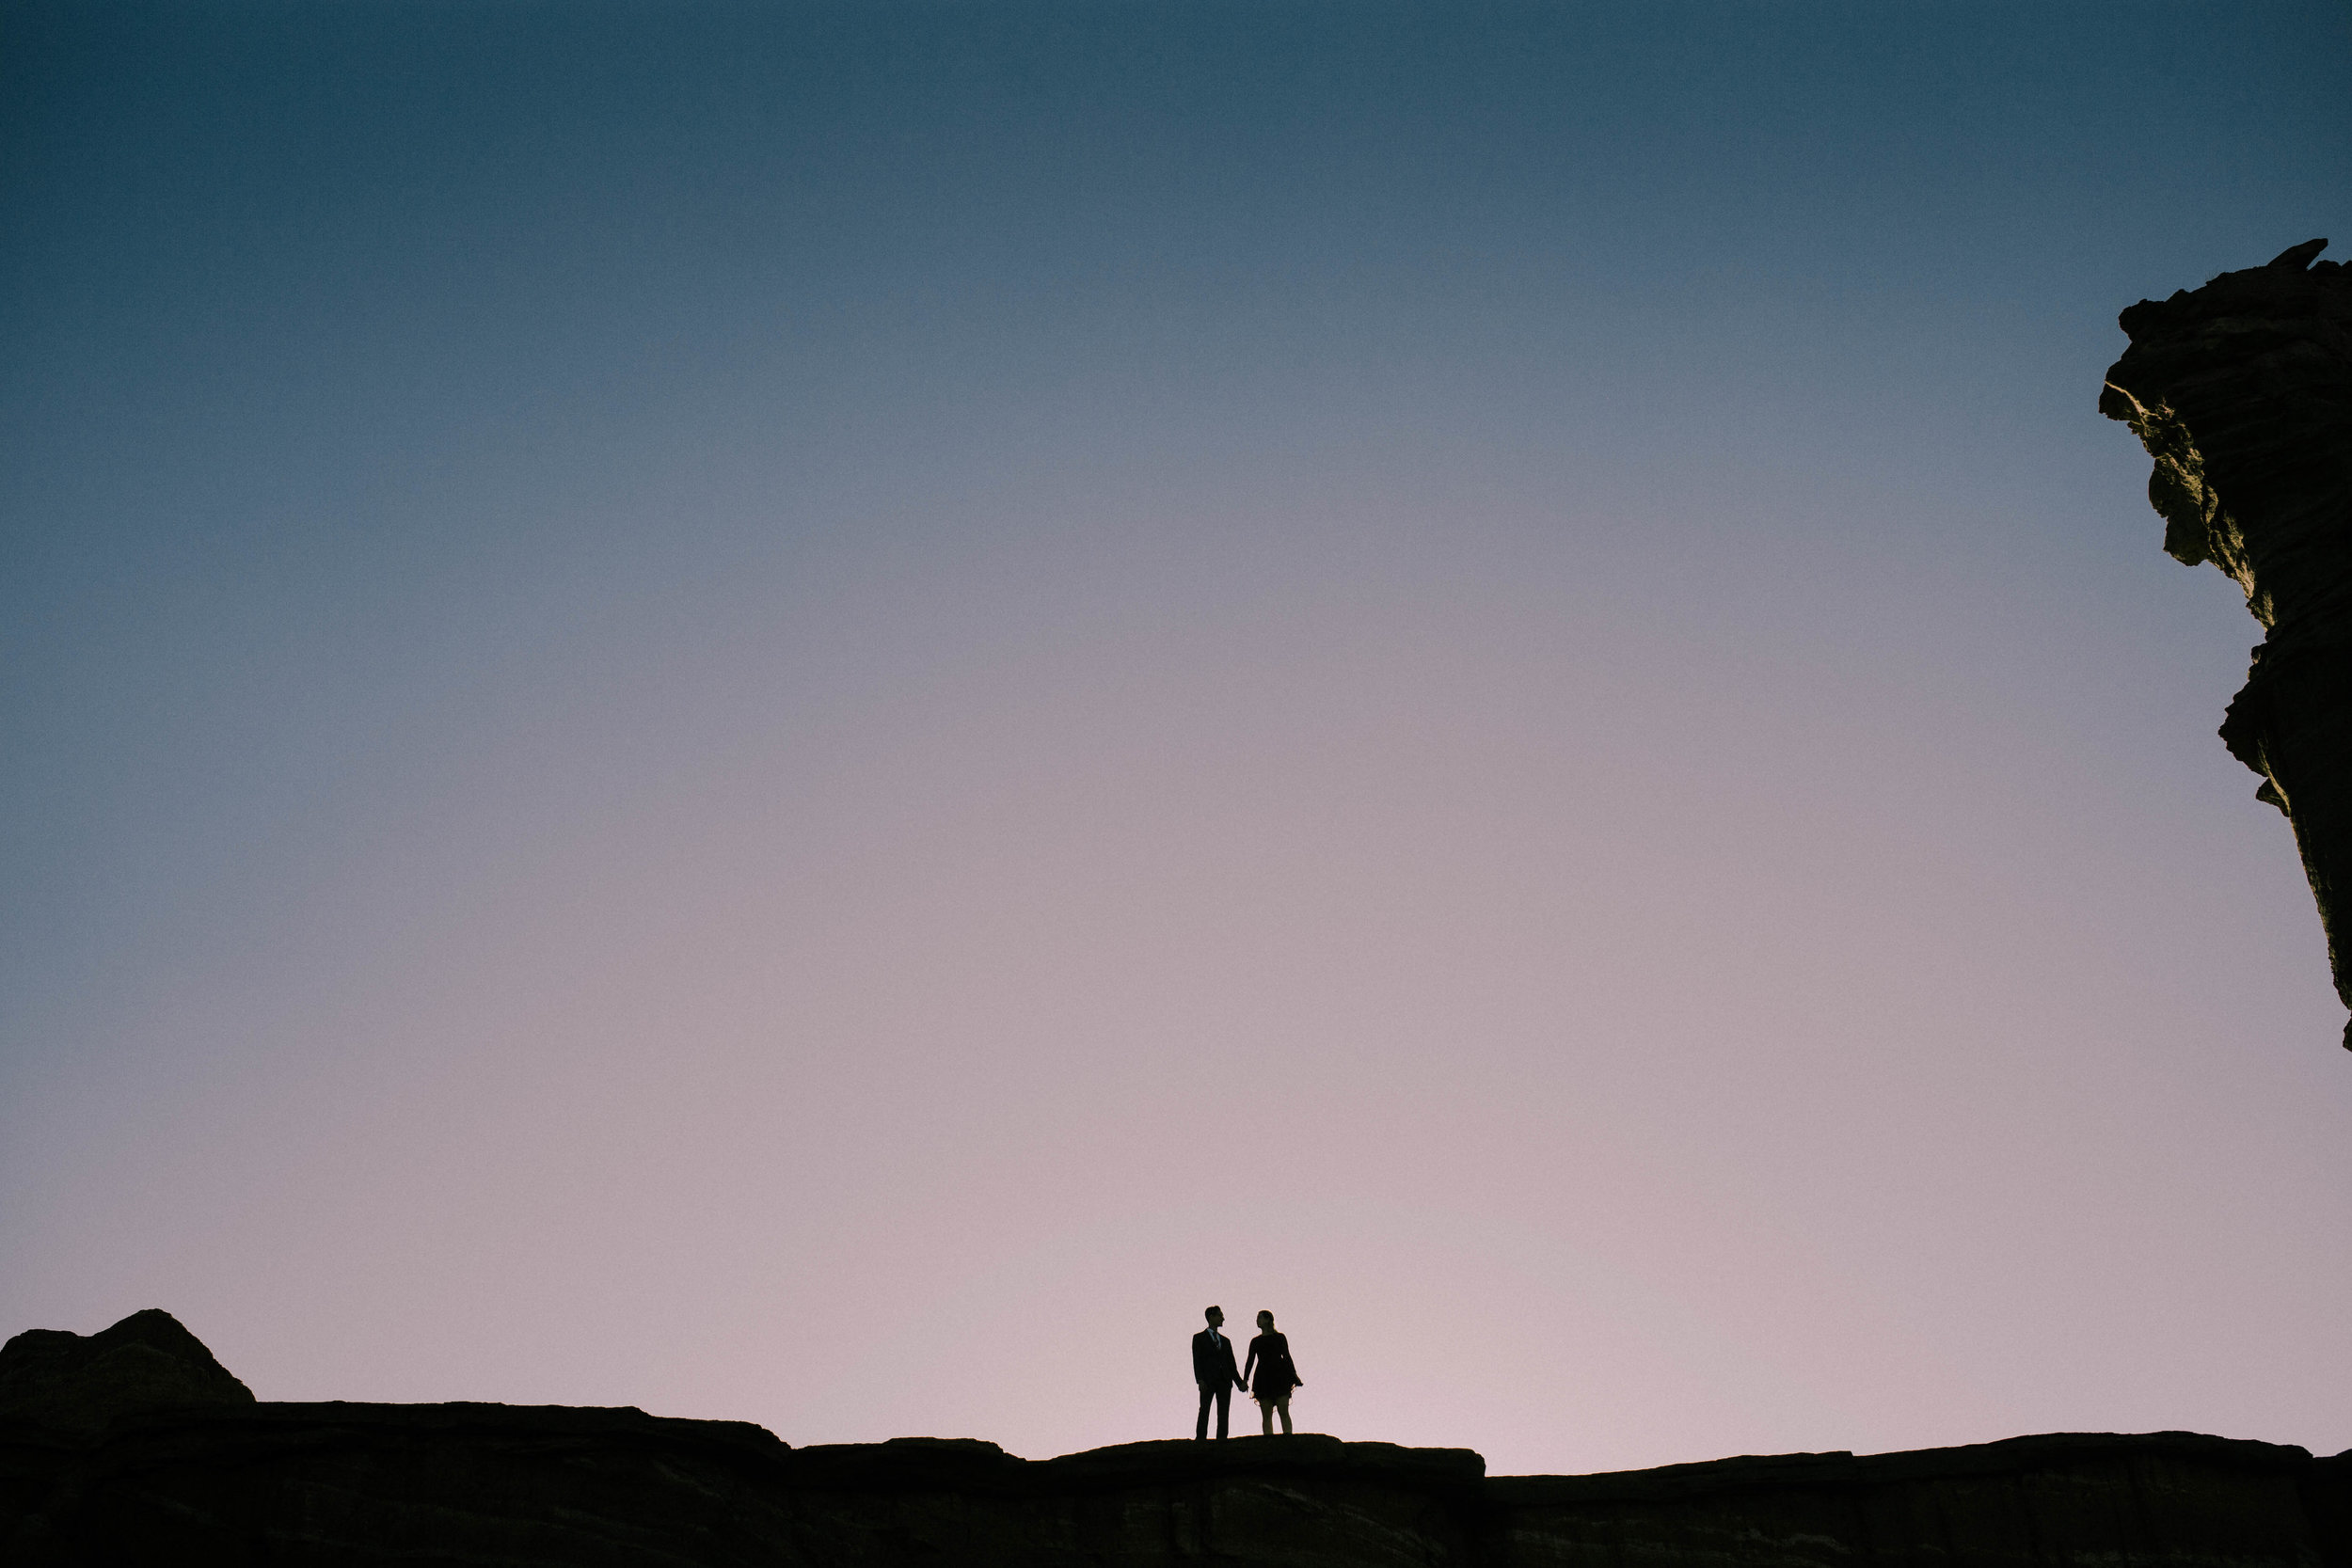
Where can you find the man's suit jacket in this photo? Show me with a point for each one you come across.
(1212, 1362)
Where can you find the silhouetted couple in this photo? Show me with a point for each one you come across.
(1212, 1370)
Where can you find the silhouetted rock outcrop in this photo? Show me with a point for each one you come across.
(494, 1484)
(147, 1361)
(2242, 392)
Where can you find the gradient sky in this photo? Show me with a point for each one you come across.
(814, 714)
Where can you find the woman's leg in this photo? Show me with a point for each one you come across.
(1284, 1406)
(1266, 1417)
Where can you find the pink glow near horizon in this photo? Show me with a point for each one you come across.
(1593, 1056)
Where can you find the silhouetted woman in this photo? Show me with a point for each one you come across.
(1270, 1354)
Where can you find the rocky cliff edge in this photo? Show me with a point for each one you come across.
(2241, 391)
(230, 1480)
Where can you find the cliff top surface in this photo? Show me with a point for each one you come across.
(147, 1382)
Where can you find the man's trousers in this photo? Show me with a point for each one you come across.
(1224, 1398)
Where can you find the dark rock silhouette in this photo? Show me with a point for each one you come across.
(493, 1484)
(145, 1362)
(2242, 392)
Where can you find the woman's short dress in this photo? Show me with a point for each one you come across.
(1274, 1377)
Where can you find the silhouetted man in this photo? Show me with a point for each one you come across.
(1212, 1369)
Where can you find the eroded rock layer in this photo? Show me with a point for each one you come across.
(2242, 393)
(147, 1361)
(490, 1484)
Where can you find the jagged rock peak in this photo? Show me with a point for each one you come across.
(2298, 256)
(147, 1361)
(2241, 391)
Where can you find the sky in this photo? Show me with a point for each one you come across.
(814, 714)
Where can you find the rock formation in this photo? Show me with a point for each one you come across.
(240, 1483)
(2242, 392)
(147, 1361)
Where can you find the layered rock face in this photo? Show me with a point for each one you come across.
(147, 1361)
(490, 1484)
(2242, 392)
